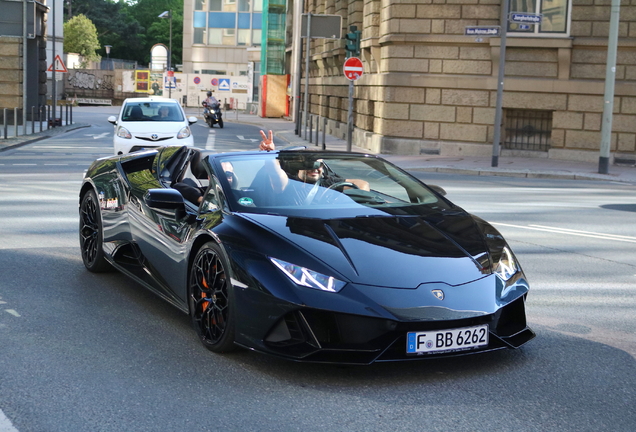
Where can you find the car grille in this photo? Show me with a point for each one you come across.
(153, 140)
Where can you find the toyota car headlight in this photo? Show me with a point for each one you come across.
(507, 266)
(184, 133)
(308, 278)
(122, 132)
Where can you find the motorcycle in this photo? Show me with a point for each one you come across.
(212, 114)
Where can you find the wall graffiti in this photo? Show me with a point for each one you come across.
(84, 80)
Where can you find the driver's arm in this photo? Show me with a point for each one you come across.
(362, 184)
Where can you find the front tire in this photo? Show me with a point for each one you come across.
(211, 300)
(221, 123)
(91, 234)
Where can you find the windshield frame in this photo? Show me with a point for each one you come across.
(352, 208)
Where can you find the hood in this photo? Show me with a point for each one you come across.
(393, 251)
(149, 128)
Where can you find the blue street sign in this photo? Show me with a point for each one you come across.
(482, 30)
(526, 18)
(224, 84)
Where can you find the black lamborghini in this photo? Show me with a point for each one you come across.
(307, 255)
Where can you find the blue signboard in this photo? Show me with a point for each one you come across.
(482, 31)
(224, 84)
(526, 18)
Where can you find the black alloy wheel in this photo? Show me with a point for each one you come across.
(210, 298)
(91, 235)
(221, 123)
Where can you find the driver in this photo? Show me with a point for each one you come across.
(317, 174)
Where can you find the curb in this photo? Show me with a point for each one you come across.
(25, 139)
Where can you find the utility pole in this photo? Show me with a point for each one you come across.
(608, 99)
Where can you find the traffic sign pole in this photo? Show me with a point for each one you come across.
(500, 83)
(350, 117)
(353, 70)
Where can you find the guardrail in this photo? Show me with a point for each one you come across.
(39, 115)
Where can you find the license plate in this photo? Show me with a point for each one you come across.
(447, 340)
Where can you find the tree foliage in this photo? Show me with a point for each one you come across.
(80, 36)
(133, 27)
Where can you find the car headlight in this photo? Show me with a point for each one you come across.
(122, 132)
(507, 266)
(184, 133)
(308, 278)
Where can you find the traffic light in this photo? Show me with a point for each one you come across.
(352, 42)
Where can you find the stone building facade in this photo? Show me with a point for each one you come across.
(428, 88)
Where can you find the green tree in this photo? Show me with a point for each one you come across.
(80, 36)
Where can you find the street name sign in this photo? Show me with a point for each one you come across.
(353, 68)
(525, 18)
(482, 30)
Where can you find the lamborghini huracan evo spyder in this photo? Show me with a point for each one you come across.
(366, 264)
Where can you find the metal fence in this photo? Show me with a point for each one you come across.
(527, 129)
(41, 118)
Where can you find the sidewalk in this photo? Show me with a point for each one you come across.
(13, 142)
(508, 166)
(284, 131)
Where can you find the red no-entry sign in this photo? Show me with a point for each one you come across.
(353, 68)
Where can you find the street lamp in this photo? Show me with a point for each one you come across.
(107, 48)
(168, 14)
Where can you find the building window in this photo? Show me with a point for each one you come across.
(199, 5)
(244, 37)
(215, 36)
(555, 21)
(527, 129)
(199, 36)
(213, 72)
(229, 37)
(243, 5)
(256, 37)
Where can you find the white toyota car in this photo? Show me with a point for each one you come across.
(146, 123)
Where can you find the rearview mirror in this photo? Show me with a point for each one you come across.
(112, 119)
(192, 120)
(440, 190)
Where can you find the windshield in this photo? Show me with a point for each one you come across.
(152, 111)
(301, 183)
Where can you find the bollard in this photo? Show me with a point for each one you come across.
(61, 114)
(317, 128)
(311, 126)
(4, 122)
(40, 116)
(324, 131)
(71, 114)
(48, 117)
(32, 120)
(66, 111)
(15, 122)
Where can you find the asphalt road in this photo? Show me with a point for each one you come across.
(86, 352)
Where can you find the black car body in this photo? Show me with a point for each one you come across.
(390, 270)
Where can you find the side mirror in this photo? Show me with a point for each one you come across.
(192, 120)
(112, 119)
(164, 199)
(440, 190)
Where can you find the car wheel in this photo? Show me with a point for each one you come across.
(221, 123)
(91, 234)
(210, 299)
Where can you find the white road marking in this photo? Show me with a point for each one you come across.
(5, 424)
(102, 135)
(13, 312)
(572, 232)
(246, 139)
(210, 143)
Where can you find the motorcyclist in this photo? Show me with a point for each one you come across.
(210, 101)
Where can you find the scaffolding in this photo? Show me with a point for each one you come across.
(273, 45)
